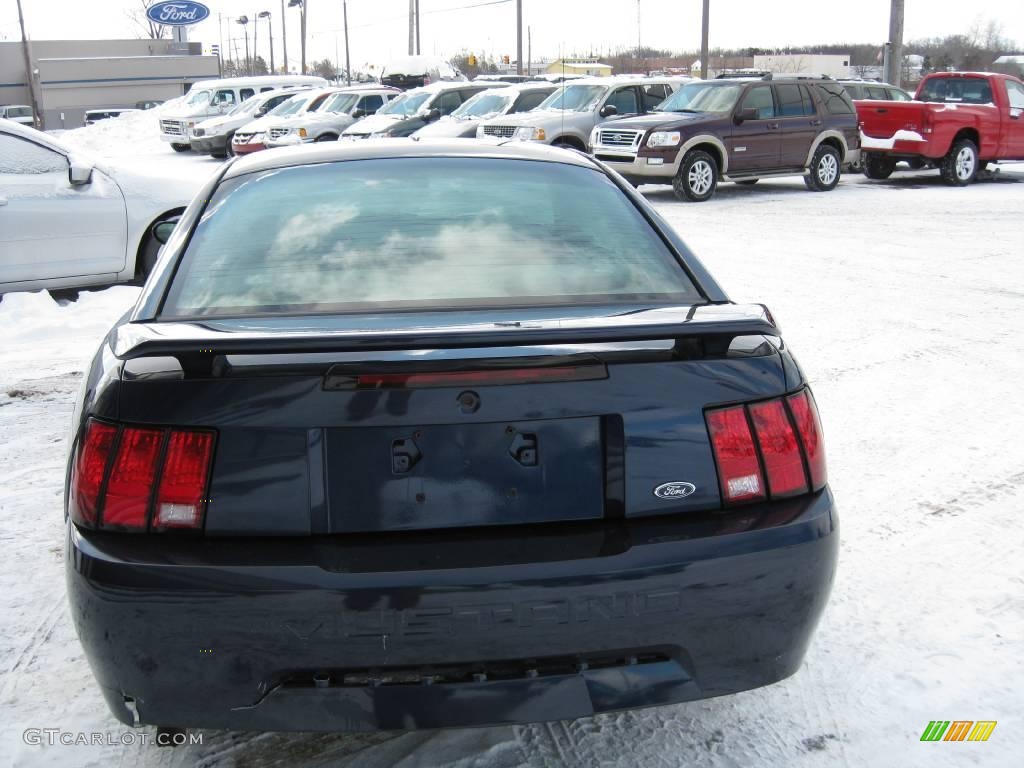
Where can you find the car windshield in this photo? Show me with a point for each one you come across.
(702, 97)
(406, 105)
(401, 233)
(198, 98)
(290, 107)
(574, 98)
(485, 104)
(340, 102)
(248, 106)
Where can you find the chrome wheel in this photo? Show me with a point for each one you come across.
(828, 169)
(700, 177)
(965, 164)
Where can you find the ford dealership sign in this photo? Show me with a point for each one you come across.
(177, 13)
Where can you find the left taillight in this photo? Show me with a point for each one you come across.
(134, 478)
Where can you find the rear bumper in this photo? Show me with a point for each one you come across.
(450, 629)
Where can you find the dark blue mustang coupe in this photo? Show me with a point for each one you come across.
(409, 435)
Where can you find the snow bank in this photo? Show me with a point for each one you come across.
(42, 336)
(129, 134)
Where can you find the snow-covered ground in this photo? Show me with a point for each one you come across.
(904, 301)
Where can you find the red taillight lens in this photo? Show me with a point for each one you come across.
(739, 472)
(131, 479)
(788, 448)
(780, 451)
(123, 502)
(805, 414)
(88, 471)
(179, 502)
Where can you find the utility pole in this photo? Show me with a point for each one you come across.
(519, 37)
(639, 47)
(895, 70)
(26, 50)
(529, 51)
(348, 68)
(704, 62)
(284, 36)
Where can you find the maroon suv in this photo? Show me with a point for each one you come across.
(736, 130)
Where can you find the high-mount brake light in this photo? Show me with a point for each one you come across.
(472, 378)
(778, 441)
(133, 478)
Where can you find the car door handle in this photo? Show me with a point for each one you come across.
(816, 123)
(773, 126)
(881, 110)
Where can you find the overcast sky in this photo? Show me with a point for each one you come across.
(377, 28)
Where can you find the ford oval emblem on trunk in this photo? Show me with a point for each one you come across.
(676, 490)
(177, 13)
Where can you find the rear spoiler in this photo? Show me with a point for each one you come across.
(193, 341)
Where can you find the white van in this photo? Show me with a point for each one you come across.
(209, 98)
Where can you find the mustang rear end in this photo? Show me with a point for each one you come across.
(371, 453)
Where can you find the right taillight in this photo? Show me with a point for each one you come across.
(769, 449)
(132, 478)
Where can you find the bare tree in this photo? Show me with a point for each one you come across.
(147, 27)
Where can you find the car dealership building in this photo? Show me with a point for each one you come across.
(72, 76)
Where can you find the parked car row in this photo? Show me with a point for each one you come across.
(690, 134)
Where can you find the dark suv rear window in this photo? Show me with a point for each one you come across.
(836, 100)
(431, 233)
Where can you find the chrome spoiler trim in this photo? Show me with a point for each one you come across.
(337, 333)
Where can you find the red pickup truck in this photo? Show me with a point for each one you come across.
(958, 121)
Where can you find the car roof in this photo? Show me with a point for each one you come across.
(387, 149)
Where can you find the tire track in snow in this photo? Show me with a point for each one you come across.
(38, 636)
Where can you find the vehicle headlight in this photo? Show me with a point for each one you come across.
(664, 139)
(256, 138)
(593, 138)
(480, 131)
(302, 133)
(529, 133)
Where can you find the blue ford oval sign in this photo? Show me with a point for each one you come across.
(177, 13)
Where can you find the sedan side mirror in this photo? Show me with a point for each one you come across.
(750, 113)
(358, 112)
(162, 230)
(608, 110)
(432, 115)
(79, 173)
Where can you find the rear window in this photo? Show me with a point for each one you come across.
(421, 233)
(836, 100)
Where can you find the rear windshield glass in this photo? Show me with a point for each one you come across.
(421, 233)
(957, 90)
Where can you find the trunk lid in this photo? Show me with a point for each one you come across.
(882, 119)
(384, 423)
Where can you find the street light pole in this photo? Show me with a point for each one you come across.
(270, 34)
(418, 28)
(302, 26)
(255, 46)
(519, 37)
(348, 68)
(284, 37)
(244, 21)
